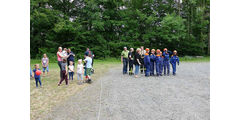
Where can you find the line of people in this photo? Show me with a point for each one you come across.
(150, 62)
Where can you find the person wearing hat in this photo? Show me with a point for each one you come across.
(131, 61)
(124, 59)
(152, 61)
(142, 53)
(159, 63)
(147, 63)
(166, 64)
(174, 59)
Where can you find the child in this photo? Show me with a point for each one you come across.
(147, 62)
(37, 77)
(166, 64)
(152, 61)
(71, 70)
(45, 62)
(80, 71)
(88, 61)
(64, 72)
(173, 61)
(157, 60)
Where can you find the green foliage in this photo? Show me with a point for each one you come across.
(107, 26)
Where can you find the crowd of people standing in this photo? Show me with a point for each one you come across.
(149, 62)
(66, 63)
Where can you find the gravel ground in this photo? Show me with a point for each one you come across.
(123, 97)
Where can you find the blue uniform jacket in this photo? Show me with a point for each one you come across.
(146, 60)
(152, 57)
(158, 59)
(166, 56)
(174, 59)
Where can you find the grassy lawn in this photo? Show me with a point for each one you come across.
(43, 99)
(194, 59)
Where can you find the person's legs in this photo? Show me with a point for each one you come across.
(39, 80)
(72, 75)
(148, 70)
(62, 77)
(78, 76)
(92, 62)
(160, 68)
(157, 68)
(124, 65)
(59, 64)
(81, 76)
(142, 66)
(47, 69)
(36, 80)
(65, 77)
(44, 69)
(164, 67)
(131, 67)
(89, 74)
(136, 70)
(168, 67)
(174, 68)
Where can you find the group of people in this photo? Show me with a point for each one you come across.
(149, 61)
(66, 64)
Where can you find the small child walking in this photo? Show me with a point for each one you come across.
(71, 70)
(80, 71)
(64, 72)
(37, 77)
(45, 62)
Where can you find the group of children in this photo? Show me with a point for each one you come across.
(66, 70)
(160, 61)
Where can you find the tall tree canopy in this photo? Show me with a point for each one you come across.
(105, 26)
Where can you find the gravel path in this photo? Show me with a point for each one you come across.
(181, 97)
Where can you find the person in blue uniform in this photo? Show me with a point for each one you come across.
(152, 62)
(147, 63)
(174, 60)
(157, 61)
(166, 64)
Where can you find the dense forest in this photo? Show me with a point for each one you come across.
(106, 26)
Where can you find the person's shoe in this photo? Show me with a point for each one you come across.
(160, 74)
(89, 81)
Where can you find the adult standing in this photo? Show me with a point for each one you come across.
(71, 56)
(130, 58)
(59, 59)
(137, 62)
(142, 53)
(124, 59)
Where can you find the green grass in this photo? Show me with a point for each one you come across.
(43, 99)
(194, 59)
